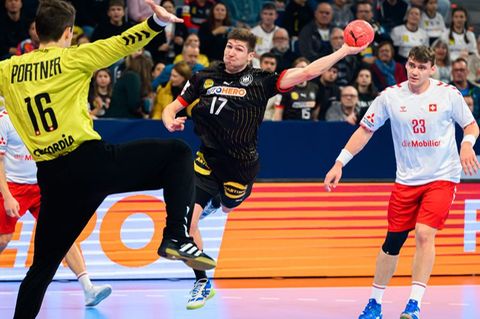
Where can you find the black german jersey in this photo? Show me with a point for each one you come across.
(299, 103)
(230, 109)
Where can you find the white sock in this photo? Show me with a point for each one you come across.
(377, 292)
(84, 281)
(418, 289)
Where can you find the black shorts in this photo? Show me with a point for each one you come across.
(218, 175)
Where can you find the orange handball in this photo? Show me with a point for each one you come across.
(358, 33)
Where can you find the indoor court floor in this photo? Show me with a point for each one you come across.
(339, 298)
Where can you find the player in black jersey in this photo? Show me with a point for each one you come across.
(233, 96)
(299, 103)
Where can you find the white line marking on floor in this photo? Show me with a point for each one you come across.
(345, 300)
(307, 299)
(269, 298)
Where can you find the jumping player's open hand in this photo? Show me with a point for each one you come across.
(174, 124)
(11, 206)
(163, 14)
(333, 177)
(353, 50)
(468, 159)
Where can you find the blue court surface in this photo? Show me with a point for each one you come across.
(247, 299)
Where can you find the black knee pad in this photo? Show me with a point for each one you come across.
(235, 193)
(394, 242)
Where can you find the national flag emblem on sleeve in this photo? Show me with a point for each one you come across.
(371, 118)
(432, 107)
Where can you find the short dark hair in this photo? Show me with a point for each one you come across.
(244, 35)
(268, 6)
(52, 18)
(171, 1)
(267, 55)
(116, 3)
(363, 2)
(422, 54)
(460, 60)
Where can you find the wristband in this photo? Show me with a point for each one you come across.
(158, 21)
(469, 138)
(344, 157)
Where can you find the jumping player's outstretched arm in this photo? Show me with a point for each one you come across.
(296, 76)
(354, 145)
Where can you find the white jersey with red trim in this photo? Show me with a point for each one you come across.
(19, 165)
(423, 130)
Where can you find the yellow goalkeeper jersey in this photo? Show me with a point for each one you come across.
(46, 90)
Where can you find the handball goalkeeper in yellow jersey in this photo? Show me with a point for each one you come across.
(46, 96)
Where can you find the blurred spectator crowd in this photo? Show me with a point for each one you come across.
(290, 33)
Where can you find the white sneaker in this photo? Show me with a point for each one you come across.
(96, 294)
(201, 292)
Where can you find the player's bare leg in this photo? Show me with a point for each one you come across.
(93, 294)
(202, 289)
(4, 240)
(423, 261)
(385, 268)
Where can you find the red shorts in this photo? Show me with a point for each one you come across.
(427, 204)
(28, 197)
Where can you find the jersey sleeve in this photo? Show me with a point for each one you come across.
(190, 91)
(460, 111)
(271, 83)
(376, 114)
(103, 53)
(4, 127)
(396, 36)
(472, 43)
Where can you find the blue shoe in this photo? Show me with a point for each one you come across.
(412, 311)
(210, 208)
(373, 310)
(201, 292)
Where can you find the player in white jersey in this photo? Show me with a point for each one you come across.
(20, 192)
(264, 31)
(423, 113)
(432, 21)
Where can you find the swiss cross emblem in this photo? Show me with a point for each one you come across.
(371, 118)
(432, 107)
